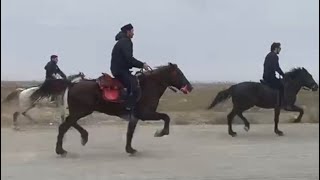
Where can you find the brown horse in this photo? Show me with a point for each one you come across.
(86, 97)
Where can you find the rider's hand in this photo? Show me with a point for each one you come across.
(147, 67)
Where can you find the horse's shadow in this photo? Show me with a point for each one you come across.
(112, 156)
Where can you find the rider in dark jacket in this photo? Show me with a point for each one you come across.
(271, 66)
(53, 69)
(122, 61)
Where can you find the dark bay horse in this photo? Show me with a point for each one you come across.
(85, 97)
(246, 95)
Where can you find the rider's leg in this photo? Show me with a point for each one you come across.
(134, 90)
(125, 79)
(282, 98)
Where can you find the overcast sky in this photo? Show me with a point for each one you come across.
(210, 40)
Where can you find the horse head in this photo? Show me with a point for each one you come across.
(171, 76)
(75, 77)
(303, 78)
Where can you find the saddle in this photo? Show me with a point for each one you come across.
(263, 82)
(112, 89)
(55, 86)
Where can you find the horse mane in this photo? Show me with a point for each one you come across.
(292, 74)
(161, 68)
(70, 77)
(157, 70)
(74, 77)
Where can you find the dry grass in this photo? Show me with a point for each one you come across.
(191, 109)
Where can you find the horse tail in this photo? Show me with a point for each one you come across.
(221, 96)
(13, 95)
(46, 91)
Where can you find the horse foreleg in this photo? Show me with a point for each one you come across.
(84, 133)
(155, 117)
(295, 108)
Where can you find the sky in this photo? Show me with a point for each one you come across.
(210, 40)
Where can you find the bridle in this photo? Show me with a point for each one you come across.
(163, 84)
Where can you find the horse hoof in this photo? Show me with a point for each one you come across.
(16, 128)
(84, 141)
(279, 133)
(61, 152)
(233, 134)
(246, 128)
(160, 133)
(64, 154)
(131, 150)
(297, 121)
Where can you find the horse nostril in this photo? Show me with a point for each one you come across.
(315, 87)
(190, 88)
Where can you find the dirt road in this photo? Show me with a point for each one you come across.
(188, 153)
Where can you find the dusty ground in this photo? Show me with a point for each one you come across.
(191, 152)
(196, 151)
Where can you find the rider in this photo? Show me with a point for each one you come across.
(122, 61)
(51, 70)
(271, 66)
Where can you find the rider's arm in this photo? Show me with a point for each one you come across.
(128, 54)
(61, 73)
(276, 66)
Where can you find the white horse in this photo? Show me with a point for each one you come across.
(26, 104)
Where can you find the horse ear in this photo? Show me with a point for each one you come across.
(304, 70)
(172, 65)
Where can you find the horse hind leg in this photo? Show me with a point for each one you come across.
(28, 117)
(15, 120)
(63, 128)
(71, 120)
(24, 113)
(230, 117)
(245, 121)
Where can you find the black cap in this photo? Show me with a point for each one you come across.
(127, 27)
(53, 56)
